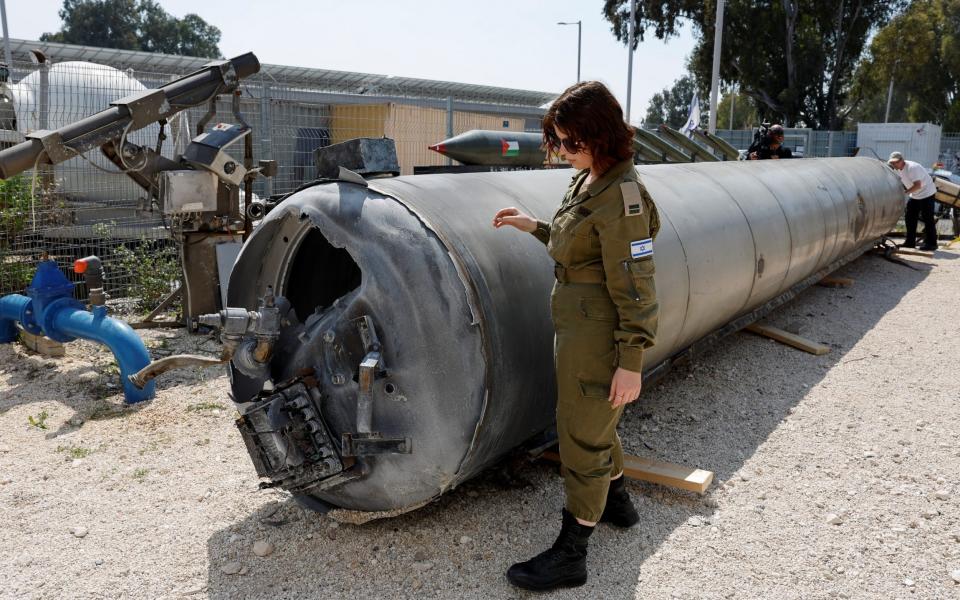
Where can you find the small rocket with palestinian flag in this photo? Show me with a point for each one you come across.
(485, 147)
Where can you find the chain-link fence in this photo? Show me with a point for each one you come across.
(950, 151)
(803, 142)
(812, 143)
(87, 206)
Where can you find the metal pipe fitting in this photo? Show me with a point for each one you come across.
(91, 268)
(169, 363)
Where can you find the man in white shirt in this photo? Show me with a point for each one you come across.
(921, 189)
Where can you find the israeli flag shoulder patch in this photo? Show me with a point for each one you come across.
(641, 248)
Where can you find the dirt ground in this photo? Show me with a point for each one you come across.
(836, 477)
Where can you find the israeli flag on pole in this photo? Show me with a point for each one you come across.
(693, 120)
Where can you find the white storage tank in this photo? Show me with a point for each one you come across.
(74, 90)
(919, 142)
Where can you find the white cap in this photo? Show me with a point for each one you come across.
(895, 157)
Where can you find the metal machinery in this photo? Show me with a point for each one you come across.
(408, 345)
(198, 191)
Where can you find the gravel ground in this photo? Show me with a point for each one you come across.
(837, 477)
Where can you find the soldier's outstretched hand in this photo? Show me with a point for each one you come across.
(512, 216)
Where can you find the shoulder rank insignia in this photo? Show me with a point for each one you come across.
(632, 198)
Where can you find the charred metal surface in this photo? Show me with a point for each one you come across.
(429, 333)
(287, 438)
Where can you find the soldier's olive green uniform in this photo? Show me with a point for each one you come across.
(604, 308)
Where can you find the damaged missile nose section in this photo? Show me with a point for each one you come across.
(376, 385)
(284, 427)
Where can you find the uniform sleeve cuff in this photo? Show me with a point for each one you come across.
(542, 232)
(631, 358)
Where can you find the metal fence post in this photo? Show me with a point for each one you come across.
(449, 122)
(266, 132)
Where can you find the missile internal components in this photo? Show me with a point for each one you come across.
(248, 336)
(415, 344)
(482, 147)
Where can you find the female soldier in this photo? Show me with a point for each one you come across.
(604, 313)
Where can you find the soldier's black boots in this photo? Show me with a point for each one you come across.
(563, 565)
(619, 510)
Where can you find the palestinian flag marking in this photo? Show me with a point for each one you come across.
(509, 148)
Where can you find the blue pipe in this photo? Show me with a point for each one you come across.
(12, 309)
(122, 340)
(50, 310)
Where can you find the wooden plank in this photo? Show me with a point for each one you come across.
(836, 282)
(915, 252)
(42, 345)
(790, 339)
(658, 471)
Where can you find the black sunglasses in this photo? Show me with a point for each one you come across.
(568, 144)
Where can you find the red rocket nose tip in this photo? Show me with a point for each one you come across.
(441, 148)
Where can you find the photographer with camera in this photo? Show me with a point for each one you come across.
(768, 144)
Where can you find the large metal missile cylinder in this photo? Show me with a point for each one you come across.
(460, 311)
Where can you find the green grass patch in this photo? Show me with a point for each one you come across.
(75, 451)
(40, 421)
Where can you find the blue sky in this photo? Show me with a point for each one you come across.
(494, 42)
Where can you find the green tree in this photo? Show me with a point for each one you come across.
(794, 58)
(920, 51)
(134, 25)
(744, 111)
(671, 105)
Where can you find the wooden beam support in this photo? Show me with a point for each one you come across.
(835, 282)
(657, 471)
(914, 252)
(790, 339)
(42, 345)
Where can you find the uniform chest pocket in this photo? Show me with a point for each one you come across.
(572, 238)
(573, 222)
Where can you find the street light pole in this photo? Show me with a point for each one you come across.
(715, 79)
(579, 25)
(633, 14)
(6, 36)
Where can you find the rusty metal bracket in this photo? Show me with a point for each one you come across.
(57, 151)
(359, 444)
(144, 107)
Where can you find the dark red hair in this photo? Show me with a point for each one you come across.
(592, 118)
